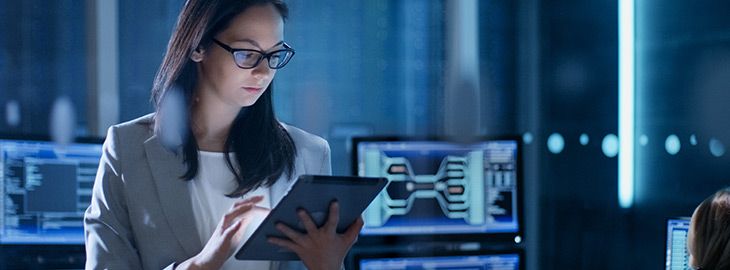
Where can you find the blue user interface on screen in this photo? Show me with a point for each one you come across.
(45, 190)
(481, 262)
(438, 187)
(677, 255)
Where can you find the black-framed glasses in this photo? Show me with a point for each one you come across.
(248, 58)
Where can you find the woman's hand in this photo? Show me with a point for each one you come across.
(226, 237)
(320, 248)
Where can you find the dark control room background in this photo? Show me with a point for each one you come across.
(580, 86)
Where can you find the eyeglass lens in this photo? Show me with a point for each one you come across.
(249, 59)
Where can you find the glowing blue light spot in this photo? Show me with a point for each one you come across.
(693, 140)
(643, 140)
(12, 113)
(527, 138)
(555, 143)
(672, 144)
(716, 147)
(584, 139)
(610, 145)
(63, 121)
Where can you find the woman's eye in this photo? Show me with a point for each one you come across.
(247, 55)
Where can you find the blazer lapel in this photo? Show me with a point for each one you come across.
(173, 193)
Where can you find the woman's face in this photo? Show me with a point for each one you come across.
(220, 79)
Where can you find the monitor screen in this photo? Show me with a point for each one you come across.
(677, 255)
(45, 190)
(441, 187)
(485, 262)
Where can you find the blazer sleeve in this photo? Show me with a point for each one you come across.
(109, 240)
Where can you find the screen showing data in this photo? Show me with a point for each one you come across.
(677, 255)
(480, 262)
(45, 190)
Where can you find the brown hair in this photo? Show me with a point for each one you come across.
(263, 149)
(711, 244)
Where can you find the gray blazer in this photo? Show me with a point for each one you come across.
(141, 215)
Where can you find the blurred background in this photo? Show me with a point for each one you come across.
(546, 72)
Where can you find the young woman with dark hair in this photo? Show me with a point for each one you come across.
(708, 240)
(182, 188)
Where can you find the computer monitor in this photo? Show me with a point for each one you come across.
(45, 190)
(677, 254)
(443, 189)
(508, 260)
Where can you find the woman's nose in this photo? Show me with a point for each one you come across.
(262, 70)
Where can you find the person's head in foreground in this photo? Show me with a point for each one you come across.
(708, 240)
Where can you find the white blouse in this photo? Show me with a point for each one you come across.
(210, 203)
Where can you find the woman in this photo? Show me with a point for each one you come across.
(177, 189)
(708, 239)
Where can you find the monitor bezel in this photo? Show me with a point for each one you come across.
(358, 255)
(42, 256)
(508, 237)
(46, 138)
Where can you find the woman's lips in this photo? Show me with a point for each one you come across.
(252, 89)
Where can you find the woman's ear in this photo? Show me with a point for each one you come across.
(197, 55)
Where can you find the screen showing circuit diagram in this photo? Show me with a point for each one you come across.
(439, 187)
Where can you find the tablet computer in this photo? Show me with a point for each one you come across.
(313, 193)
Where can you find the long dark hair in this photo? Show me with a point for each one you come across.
(712, 232)
(262, 147)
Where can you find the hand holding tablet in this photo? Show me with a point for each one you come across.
(319, 247)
